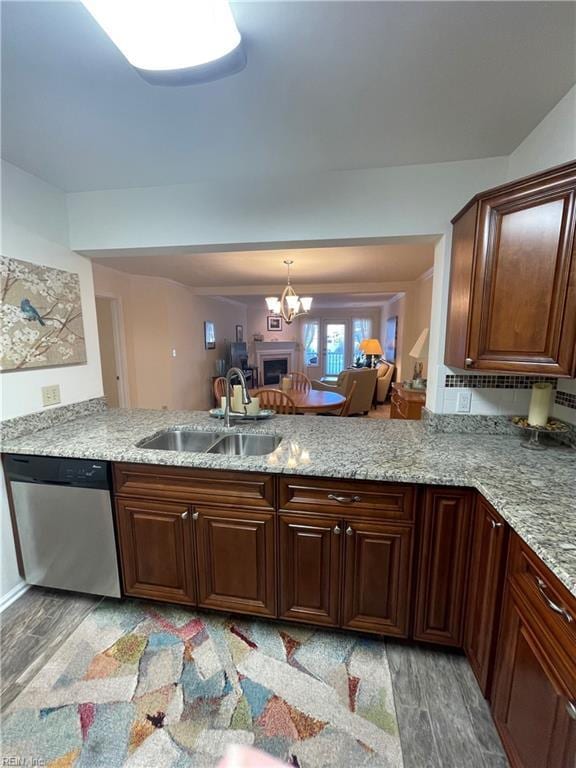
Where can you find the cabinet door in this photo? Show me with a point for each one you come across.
(533, 700)
(487, 565)
(524, 295)
(443, 565)
(377, 577)
(156, 550)
(310, 568)
(236, 560)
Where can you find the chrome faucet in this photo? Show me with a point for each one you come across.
(246, 399)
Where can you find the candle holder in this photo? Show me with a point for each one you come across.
(553, 427)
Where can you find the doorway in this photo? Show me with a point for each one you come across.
(333, 347)
(111, 358)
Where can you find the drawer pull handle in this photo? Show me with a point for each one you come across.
(571, 709)
(494, 524)
(468, 362)
(184, 515)
(550, 603)
(344, 499)
(349, 531)
(337, 530)
(195, 516)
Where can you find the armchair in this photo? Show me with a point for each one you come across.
(384, 373)
(362, 397)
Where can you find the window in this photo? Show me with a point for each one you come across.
(361, 329)
(310, 339)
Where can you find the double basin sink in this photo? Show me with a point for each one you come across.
(226, 444)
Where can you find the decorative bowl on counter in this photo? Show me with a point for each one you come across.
(552, 427)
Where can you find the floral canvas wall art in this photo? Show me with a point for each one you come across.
(40, 316)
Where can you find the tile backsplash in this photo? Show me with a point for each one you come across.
(504, 395)
(495, 381)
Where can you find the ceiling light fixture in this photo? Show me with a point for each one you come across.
(289, 305)
(173, 42)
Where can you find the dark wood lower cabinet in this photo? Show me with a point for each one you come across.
(534, 693)
(156, 550)
(377, 577)
(534, 704)
(485, 583)
(236, 560)
(310, 568)
(443, 565)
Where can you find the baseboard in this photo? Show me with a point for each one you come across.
(12, 595)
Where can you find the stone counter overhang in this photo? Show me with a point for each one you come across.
(535, 492)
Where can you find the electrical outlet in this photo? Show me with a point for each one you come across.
(464, 401)
(51, 395)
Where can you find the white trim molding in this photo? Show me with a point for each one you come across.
(13, 594)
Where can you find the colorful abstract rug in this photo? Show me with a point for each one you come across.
(161, 687)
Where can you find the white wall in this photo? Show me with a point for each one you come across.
(383, 202)
(160, 316)
(35, 228)
(551, 143)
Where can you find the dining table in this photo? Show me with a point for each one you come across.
(314, 400)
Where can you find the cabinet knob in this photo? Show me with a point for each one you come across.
(494, 524)
(349, 531)
(195, 516)
(344, 499)
(336, 529)
(551, 604)
(468, 362)
(571, 709)
(184, 515)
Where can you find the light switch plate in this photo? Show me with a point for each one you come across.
(464, 401)
(51, 394)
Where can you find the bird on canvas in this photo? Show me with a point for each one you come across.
(30, 312)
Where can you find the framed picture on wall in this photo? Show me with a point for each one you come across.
(209, 335)
(273, 323)
(239, 333)
(391, 339)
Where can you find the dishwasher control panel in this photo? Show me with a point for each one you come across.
(80, 473)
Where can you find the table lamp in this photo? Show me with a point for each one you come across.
(419, 351)
(371, 348)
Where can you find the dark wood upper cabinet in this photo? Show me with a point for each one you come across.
(156, 550)
(512, 303)
(534, 698)
(236, 560)
(443, 565)
(377, 577)
(487, 571)
(310, 566)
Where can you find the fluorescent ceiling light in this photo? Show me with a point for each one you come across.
(173, 41)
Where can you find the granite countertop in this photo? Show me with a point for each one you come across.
(534, 491)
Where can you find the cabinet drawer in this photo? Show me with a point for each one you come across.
(553, 603)
(234, 489)
(348, 498)
(400, 405)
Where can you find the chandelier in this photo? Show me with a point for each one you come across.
(289, 305)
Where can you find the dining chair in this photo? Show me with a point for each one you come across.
(276, 400)
(301, 382)
(219, 389)
(346, 407)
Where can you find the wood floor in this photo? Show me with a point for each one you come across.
(444, 721)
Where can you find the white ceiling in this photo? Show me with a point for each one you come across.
(312, 266)
(329, 85)
(328, 300)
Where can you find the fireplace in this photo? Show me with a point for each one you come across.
(274, 369)
(274, 360)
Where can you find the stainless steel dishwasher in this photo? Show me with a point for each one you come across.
(64, 522)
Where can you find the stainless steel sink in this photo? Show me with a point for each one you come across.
(181, 440)
(211, 442)
(246, 445)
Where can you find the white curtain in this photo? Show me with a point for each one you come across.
(310, 339)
